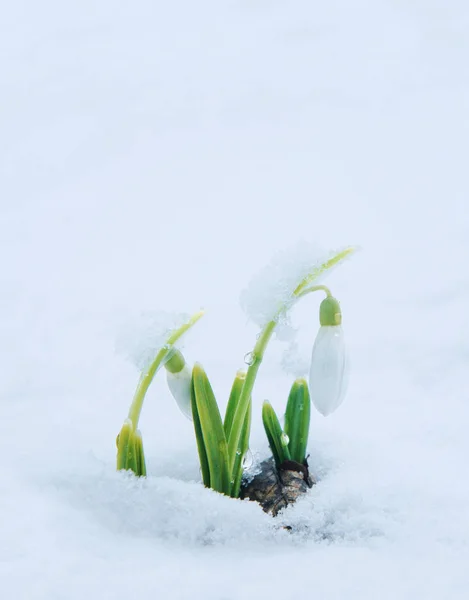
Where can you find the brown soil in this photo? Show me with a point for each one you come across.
(274, 488)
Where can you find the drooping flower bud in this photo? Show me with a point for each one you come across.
(328, 378)
(179, 379)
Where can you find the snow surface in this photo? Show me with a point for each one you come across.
(155, 156)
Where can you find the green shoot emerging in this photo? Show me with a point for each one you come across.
(278, 441)
(297, 418)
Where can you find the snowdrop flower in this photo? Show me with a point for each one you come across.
(179, 379)
(328, 375)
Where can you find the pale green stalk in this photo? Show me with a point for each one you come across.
(241, 453)
(314, 288)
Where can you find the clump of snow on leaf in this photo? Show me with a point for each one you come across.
(142, 335)
(294, 362)
(273, 286)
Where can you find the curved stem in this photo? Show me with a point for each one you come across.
(321, 269)
(315, 288)
(143, 385)
(147, 377)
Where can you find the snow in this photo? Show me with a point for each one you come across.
(273, 287)
(141, 335)
(156, 157)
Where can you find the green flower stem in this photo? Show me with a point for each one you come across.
(147, 377)
(244, 399)
(258, 354)
(315, 288)
(240, 454)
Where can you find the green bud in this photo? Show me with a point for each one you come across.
(329, 312)
(175, 363)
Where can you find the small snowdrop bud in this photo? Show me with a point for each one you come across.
(328, 376)
(179, 379)
(180, 387)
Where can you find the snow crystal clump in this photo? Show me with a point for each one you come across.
(294, 362)
(274, 285)
(143, 334)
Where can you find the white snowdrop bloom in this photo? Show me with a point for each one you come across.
(180, 387)
(328, 376)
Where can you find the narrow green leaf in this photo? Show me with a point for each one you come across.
(132, 455)
(126, 450)
(123, 442)
(297, 418)
(212, 431)
(199, 438)
(240, 454)
(141, 466)
(274, 434)
(235, 393)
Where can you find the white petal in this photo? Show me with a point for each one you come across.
(328, 377)
(180, 387)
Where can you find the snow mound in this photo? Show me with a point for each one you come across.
(165, 508)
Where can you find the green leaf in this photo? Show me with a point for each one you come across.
(243, 443)
(240, 454)
(199, 439)
(141, 466)
(297, 419)
(235, 393)
(212, 431)
(126, 451)
(274, 434)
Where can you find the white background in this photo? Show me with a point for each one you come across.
(155, 155)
